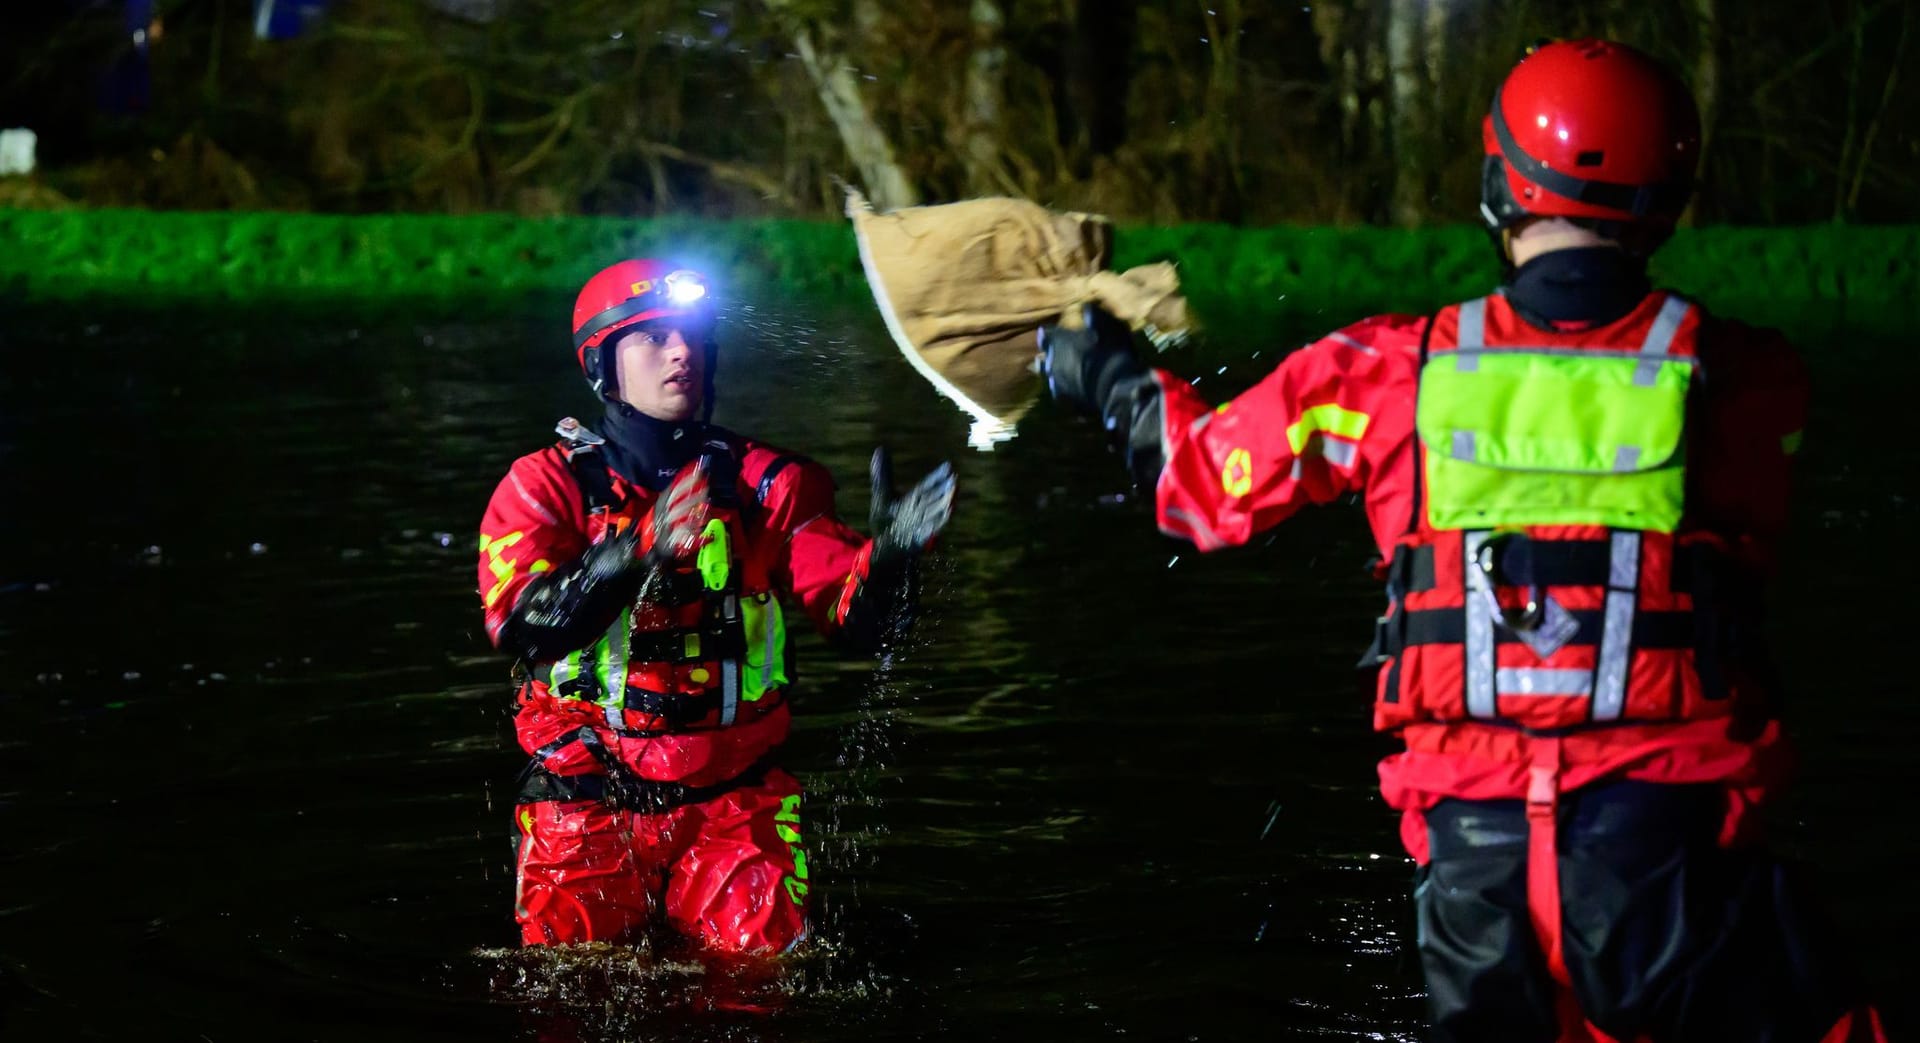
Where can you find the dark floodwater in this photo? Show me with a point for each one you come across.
(255, 758)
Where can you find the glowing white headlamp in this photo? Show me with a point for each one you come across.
(685, 286)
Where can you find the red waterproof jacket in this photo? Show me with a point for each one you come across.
(1338, 417)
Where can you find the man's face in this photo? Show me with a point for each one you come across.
(661, 370)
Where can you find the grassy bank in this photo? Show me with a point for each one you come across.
(1800, 278)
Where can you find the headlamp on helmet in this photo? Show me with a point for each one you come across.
(684, 286)
(630, 294)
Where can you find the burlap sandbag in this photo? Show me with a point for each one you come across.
(963, 287)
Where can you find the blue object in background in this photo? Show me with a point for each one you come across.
(128, 88)
(284, 19)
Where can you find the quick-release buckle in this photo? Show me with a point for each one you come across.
(1487, 560)
(1543, 777)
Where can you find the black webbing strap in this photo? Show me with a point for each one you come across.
(627, 790)
(722, 465)
(1383, 636)
(1549, 563)
(713, 641)
(1447, 626)
(590, 473)
(765, 487)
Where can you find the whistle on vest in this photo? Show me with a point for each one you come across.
(715, 559)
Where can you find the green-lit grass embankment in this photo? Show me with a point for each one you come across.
(1805, 279)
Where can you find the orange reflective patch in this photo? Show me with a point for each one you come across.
(643, 287)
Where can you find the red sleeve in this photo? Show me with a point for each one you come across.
(535, 522)
(823, 559)
(1748, 417)
(1314, 429)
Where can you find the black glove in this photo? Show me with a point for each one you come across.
(569, 608)
(903, 528)
(1090, 368)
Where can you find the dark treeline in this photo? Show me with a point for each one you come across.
(1158, 111)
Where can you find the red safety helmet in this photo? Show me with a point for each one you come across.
(1590, 130)
(628, 293)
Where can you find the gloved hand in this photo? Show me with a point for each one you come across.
(903, 526)
(568, 608)
(677, 522)
(1085, 367)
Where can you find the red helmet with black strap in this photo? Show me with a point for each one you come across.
(628, 294)
(1589, 130)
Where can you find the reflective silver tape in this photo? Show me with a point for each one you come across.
(1539, 680)
(1197, 530)
(766, 627)
(1472, 335)
(1616, 636)
(729, 690)
(1339, 454)
(1479, 643)
(613, 668)
(1626, 458)
(1653, 350)
(1665, 326)
(729, 668)
(1462, 448)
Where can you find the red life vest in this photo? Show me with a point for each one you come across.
(1575, 606)
(690, 655)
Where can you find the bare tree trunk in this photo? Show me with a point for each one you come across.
(1330, 26)
(1098, 64)
(868, 147)
(1886, 100)
(1706, 81)
(1224, 20)
(1405, 115)
(1439, 73)
(1853, 122)
(984, 120)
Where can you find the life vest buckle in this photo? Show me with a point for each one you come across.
(1544, 765)
(1489, 560)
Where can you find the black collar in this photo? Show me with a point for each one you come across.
(1579, 288)
(646, 451)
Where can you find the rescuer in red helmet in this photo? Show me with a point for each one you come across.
(638, 573)
(1576, 485)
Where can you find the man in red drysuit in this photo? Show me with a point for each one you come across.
(1576, 485)
(637, 573)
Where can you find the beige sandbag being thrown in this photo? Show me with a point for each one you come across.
(964, 287)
